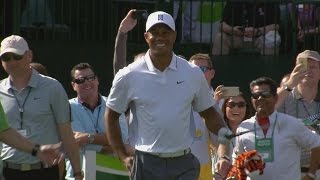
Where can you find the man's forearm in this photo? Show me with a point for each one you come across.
(267, 28)
(315, 160)
(113, 132)
(100, 139)
(282, 95)
(70, 146)
(226, 28)
(212, 119)
(120, 52)
(16, 140)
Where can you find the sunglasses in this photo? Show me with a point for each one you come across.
(8, 56)
(234, 104)
(265, 94)
(204, 69)
(83, 79)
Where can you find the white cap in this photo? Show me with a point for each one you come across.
(309, 54)
(14, 44)
(160, 17)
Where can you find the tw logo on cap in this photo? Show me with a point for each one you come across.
(160, 17)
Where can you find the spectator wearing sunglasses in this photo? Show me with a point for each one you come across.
(235, 109)
(46, 153)
(87, 111)
(160, 91)
(278, 137)
(37, 106)
(298, 96)
(204, 138)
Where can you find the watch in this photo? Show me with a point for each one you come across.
(286, 87)
(78, 174)
(91, 138)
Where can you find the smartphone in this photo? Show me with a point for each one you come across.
(140, 14)
(304, 62)
(230, 91)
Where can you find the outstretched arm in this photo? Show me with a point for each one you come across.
(295, 78)
(120, 49)
(49, 154)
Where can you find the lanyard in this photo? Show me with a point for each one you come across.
(305, 109)
(21, 107)
(95, 125)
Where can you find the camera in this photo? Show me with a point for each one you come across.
(140, 14)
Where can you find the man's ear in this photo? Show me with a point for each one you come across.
(73, 84)
(212, 72)
(175, 36)
(29, 55)
(146, 36)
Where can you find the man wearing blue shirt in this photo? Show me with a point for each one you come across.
(87, 111)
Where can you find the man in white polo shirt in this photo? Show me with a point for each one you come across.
(161, 90)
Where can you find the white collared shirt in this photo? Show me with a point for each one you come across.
(290, 136)
(161, 102)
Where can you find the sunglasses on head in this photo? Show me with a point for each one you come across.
(8, 56)
(265, 94)
(204, 69)
(234, 104)
(83, 79)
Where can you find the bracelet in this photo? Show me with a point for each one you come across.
(311, 175)
(35, 150)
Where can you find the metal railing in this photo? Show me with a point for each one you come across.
(198, 21)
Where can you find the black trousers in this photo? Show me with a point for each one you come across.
(51, 173)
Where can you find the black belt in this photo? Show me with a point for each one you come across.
(24, 167)
(304, 169)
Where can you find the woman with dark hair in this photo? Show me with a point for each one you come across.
(235, 109)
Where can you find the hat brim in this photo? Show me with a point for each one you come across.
(314, 58)
(12, 50)
(160, 22)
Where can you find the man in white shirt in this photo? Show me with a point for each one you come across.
(278, 137)
(162, 89)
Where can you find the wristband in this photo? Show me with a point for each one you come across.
(35, 150)
(311, 175)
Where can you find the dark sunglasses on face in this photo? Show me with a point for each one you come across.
(204, 69)
(83, 79)
(8, 56)
(265, 94)
(234, 104)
